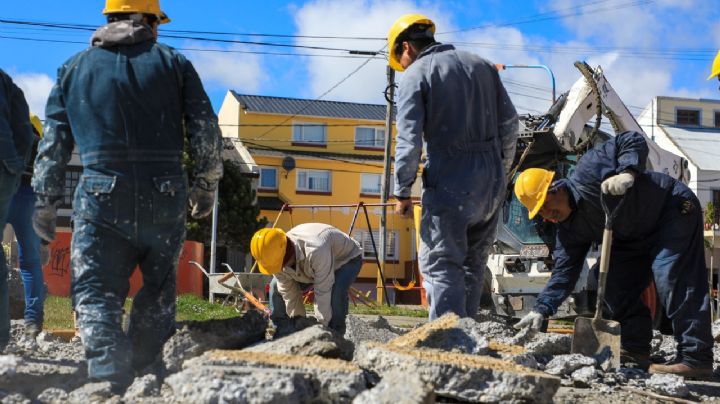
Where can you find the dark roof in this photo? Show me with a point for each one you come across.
(307, 107)
(268, 151)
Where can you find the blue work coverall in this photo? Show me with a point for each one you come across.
(454, 103)
(127, 104)
(16, 140)
(657, 233)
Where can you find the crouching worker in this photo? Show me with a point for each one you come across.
(657, 233)
(310, 255)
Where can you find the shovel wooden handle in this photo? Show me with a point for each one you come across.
(225, 277)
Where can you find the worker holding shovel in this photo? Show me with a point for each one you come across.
(657, 231)
(309, 255)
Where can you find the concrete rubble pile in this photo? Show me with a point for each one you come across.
(451, 359)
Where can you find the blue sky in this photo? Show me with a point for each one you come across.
(646, 48)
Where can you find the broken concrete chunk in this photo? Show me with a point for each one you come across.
(549, 344)
(448, 333)
(562, 365)
(91, 393)
(52, 395)
(146, 386)
(209, 384)
(316, 340)
(358, 330)
(196, 337)
(460, 376)
(524, 359)
(398, 388)
(336, 380)
(584, 376)
(668, 385)
(8, 366)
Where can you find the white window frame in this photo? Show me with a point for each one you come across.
(265, 169)
(392, 250)
(306, 186)
(299, 126)
(375, 144)
(370, 192)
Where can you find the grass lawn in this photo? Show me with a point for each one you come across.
(58, 314)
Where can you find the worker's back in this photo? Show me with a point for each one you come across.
(124, 101)
(461, 97)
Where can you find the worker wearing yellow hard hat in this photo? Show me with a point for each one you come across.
(407, 27)
(658, 233)
(32, 253)
(130, 106)
(148, 7)
(470, 140)
(310, 255)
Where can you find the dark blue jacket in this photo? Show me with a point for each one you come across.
(128, 101)
(634, 228)
(16, 135)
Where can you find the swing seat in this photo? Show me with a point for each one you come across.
(399, 286)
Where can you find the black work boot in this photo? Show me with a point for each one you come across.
(636, 360)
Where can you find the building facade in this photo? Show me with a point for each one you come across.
(325, 156)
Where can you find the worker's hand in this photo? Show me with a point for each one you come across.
(617, 184)
(404, 208)
(44, 218)
(533, 320)
(201, 201)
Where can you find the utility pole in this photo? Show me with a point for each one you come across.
(385, 183)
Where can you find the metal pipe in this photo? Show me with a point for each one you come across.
(547, 69)
(377, 260)
(213, 240)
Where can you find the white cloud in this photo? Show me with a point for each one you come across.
(36, 87)
(368, 18)
(220, 68)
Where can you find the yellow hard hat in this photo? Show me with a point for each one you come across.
(268, 248)
(715, 67)
(531, 188)
(37, 124)
(136, 6)
(400, 25)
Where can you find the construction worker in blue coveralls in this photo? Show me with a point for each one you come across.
(32, 254)
(454, 103)
(127, 103)
(310, 255)
(658, 233)
(16, 141)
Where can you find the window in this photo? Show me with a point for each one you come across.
(268, 178)
(313, 180)
(313, 133)
(687, 117)
(72, 177)
(370, 137)
(716, 204)
(370, 183)
(391, 247)
(717, 119)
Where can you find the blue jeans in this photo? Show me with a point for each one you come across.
(20, 217)
(8, 185)
(344, 278)
(124, 222)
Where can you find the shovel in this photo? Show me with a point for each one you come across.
(596, 337)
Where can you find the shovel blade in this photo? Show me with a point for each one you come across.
(597, 338)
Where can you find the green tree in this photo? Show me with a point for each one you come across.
(710, 213)
(237, 215)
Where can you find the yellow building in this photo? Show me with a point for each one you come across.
(318, 154)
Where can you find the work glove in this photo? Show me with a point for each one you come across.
(202, 201)
(44, 217)
(617, 184)
(533, 320)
